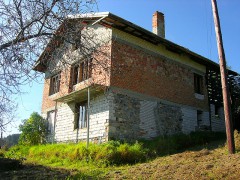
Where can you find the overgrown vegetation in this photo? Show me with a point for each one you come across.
(111, 153)
(237, 140)
(179, 142)
(113, 160)
(34, 130)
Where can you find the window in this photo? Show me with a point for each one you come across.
(199, 117)
(80, 120)
(217, 109)
(198, 84)
(75, 71)
(50, 121)
(54, 84)
(76, 40)
(81, 72)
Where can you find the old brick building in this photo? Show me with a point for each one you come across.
(141, 85)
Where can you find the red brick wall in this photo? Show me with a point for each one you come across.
(100, 75)
(101, 65)
(63, 90)
(139, 71)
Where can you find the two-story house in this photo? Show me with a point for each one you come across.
(140, 84)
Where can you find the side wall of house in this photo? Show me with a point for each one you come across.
(99, 115)
(64, 56)
(137, 116)
(153, 70)
(98, 40)
(217, 121)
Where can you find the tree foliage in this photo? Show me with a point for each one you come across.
(34, 130)
(25, 29)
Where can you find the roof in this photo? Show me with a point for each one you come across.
(110, 20)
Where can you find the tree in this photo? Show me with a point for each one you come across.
(25, 29)
(11, 140)
(7, 108)
(34, 130)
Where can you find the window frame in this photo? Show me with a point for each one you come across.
(84, 71)
(50, 125)
(80, 115)
(55, 84)
(76, 44)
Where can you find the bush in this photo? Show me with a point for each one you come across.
(17, 152)
(34, 130)
(237, 140)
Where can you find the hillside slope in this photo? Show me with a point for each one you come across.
(192, 164)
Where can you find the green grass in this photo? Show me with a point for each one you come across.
(180, 142)
(111, 153)
(115, 159)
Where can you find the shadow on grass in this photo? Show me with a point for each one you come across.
(10, 169)
(209, 146)
(196, 141)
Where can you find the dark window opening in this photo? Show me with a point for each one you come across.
(81, 72)
(75, 73)
(76, 44)
(80, 120)
(199, 117)
(217, 109)
(198, 84)
(55, 84)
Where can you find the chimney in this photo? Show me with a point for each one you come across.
(158, 24)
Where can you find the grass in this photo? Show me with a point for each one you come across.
(195, 156)
(111, 153)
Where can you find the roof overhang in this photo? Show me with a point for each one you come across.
(110, 20)
(81, 95)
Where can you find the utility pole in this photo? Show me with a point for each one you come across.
(225, 89)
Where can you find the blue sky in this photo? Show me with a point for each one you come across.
(187, 23)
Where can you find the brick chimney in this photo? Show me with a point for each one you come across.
(158, 24)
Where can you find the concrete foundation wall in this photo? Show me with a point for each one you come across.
(99, 115)
(125, 115)
(135, 116)
(218, 121)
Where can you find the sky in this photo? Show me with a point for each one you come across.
(187, 23)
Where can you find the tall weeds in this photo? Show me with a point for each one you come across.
(112, 152)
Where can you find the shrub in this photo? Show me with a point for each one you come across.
(237, 140)
(17, 152)
(34, 130)
(2, 152)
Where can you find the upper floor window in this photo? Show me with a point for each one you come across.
(54, 84)
(81, 72)
(76, 41)
(198, 84)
